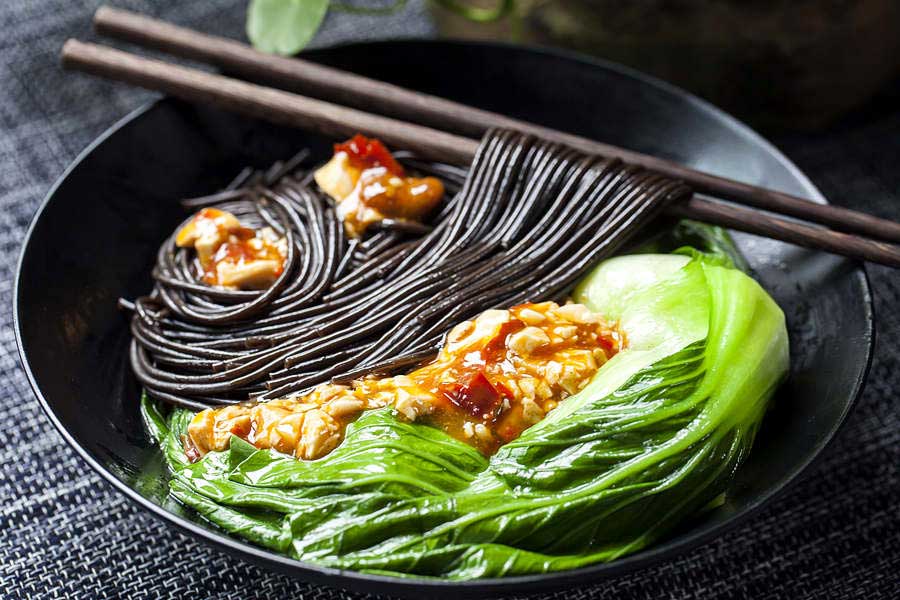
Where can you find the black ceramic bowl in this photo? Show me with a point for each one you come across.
(95, 237)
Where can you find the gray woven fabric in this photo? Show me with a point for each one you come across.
(67, 534)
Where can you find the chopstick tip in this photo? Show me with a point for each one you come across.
(106, 14)
(69, 49)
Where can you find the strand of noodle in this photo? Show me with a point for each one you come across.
(524, 223)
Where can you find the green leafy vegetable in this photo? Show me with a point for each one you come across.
(656, 436)
(284, 26)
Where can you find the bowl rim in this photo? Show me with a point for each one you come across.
(529, 584)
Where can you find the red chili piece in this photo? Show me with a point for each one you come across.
(477, 396)
(608, 345)
(366, 152)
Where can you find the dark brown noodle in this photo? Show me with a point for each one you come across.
(523, 224)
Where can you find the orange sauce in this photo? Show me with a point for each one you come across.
(470, 387)
(243, 247)
(495, 376)
(220, 240)
(369, 186)
(406, 198)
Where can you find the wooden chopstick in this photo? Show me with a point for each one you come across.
(333, 120)
(263, 102)
(353, 90)
(768, 225)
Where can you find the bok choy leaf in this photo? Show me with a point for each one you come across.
(655, 437)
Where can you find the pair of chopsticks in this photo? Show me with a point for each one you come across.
(422, 123)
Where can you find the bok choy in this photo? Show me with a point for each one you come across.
(655, 437)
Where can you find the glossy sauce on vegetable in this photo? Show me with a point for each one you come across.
(495, 376)
(491, 388)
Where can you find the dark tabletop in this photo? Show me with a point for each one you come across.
(64, 533)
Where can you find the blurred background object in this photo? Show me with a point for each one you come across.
(780, 64)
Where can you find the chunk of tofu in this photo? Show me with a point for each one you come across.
(337, 177)
(207, 231)
(484, 328)
(528, 340)
(254, 274)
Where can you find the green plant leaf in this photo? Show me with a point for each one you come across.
(654, 438)
(284, 26)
